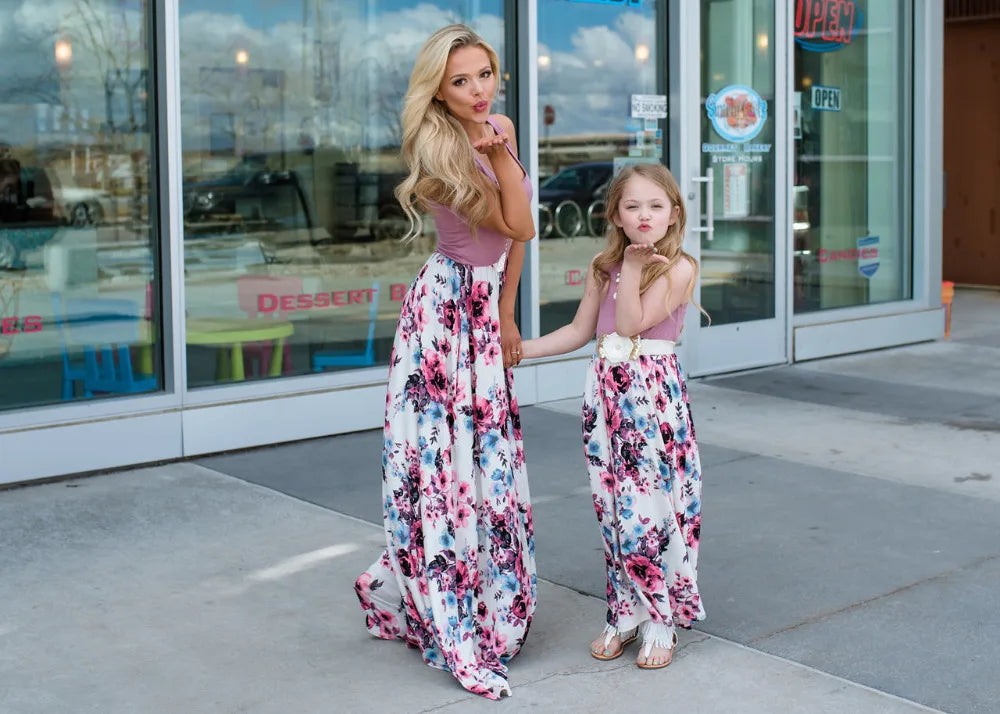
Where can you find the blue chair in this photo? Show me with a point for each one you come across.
(71, 373)
(359, 358)
(107, 328)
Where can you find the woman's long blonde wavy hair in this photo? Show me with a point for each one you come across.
(436, 149)
(669, 245)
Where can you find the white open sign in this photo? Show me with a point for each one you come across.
(826, 99)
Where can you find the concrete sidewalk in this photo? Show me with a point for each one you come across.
(850, 562)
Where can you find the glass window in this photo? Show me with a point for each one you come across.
(291, 137)
(852, 237)
(78, 318)
(737, 259)
(593, 60)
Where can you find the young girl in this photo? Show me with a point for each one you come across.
(637, 430)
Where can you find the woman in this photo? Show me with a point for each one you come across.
(457, 579)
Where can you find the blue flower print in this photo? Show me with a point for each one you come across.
(628, 408)
(403, 534)
(489, 442)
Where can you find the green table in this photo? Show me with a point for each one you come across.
(231, 334)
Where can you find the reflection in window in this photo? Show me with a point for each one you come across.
(852, 238)
(78, 317)
(737, 79)
(291, 136)
(591, 59)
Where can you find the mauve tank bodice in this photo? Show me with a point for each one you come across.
(455, 241)
(669, 329)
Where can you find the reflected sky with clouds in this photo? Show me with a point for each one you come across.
(365, 50)
(368, 50)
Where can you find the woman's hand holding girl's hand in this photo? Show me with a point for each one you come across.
(510, 342)
(638, 255)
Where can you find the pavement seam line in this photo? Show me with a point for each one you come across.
(875, 598)
(255, 485)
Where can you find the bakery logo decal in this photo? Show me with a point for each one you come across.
(826, 25)
(737, 113)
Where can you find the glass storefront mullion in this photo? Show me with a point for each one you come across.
(171, 206)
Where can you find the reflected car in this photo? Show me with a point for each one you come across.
(251, 202)
(571, 202)
(84, 206)
(248, 198)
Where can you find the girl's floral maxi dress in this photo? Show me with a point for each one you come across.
(645, 477)
(457, 579)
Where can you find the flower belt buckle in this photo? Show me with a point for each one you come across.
(614, 348)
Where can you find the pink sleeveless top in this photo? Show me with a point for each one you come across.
(455, 241)
(669, 329)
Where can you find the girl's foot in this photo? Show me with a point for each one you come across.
(658, 644)
(612, 643)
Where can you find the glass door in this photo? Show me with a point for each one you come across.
(731, 134)
(601, 72)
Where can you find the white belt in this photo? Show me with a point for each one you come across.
(615, 348)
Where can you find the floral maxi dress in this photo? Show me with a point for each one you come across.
(645, 478)
(457, 579)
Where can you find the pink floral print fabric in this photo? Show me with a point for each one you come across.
(457, 579)
(645, 476)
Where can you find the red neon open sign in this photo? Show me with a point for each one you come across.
(825, 25)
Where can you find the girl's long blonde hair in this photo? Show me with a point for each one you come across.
(436, 148)
(669, 245)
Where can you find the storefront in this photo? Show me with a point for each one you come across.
(199, 245)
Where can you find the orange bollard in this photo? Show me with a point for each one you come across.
(947, 293)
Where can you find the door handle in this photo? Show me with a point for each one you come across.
(709, 180)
